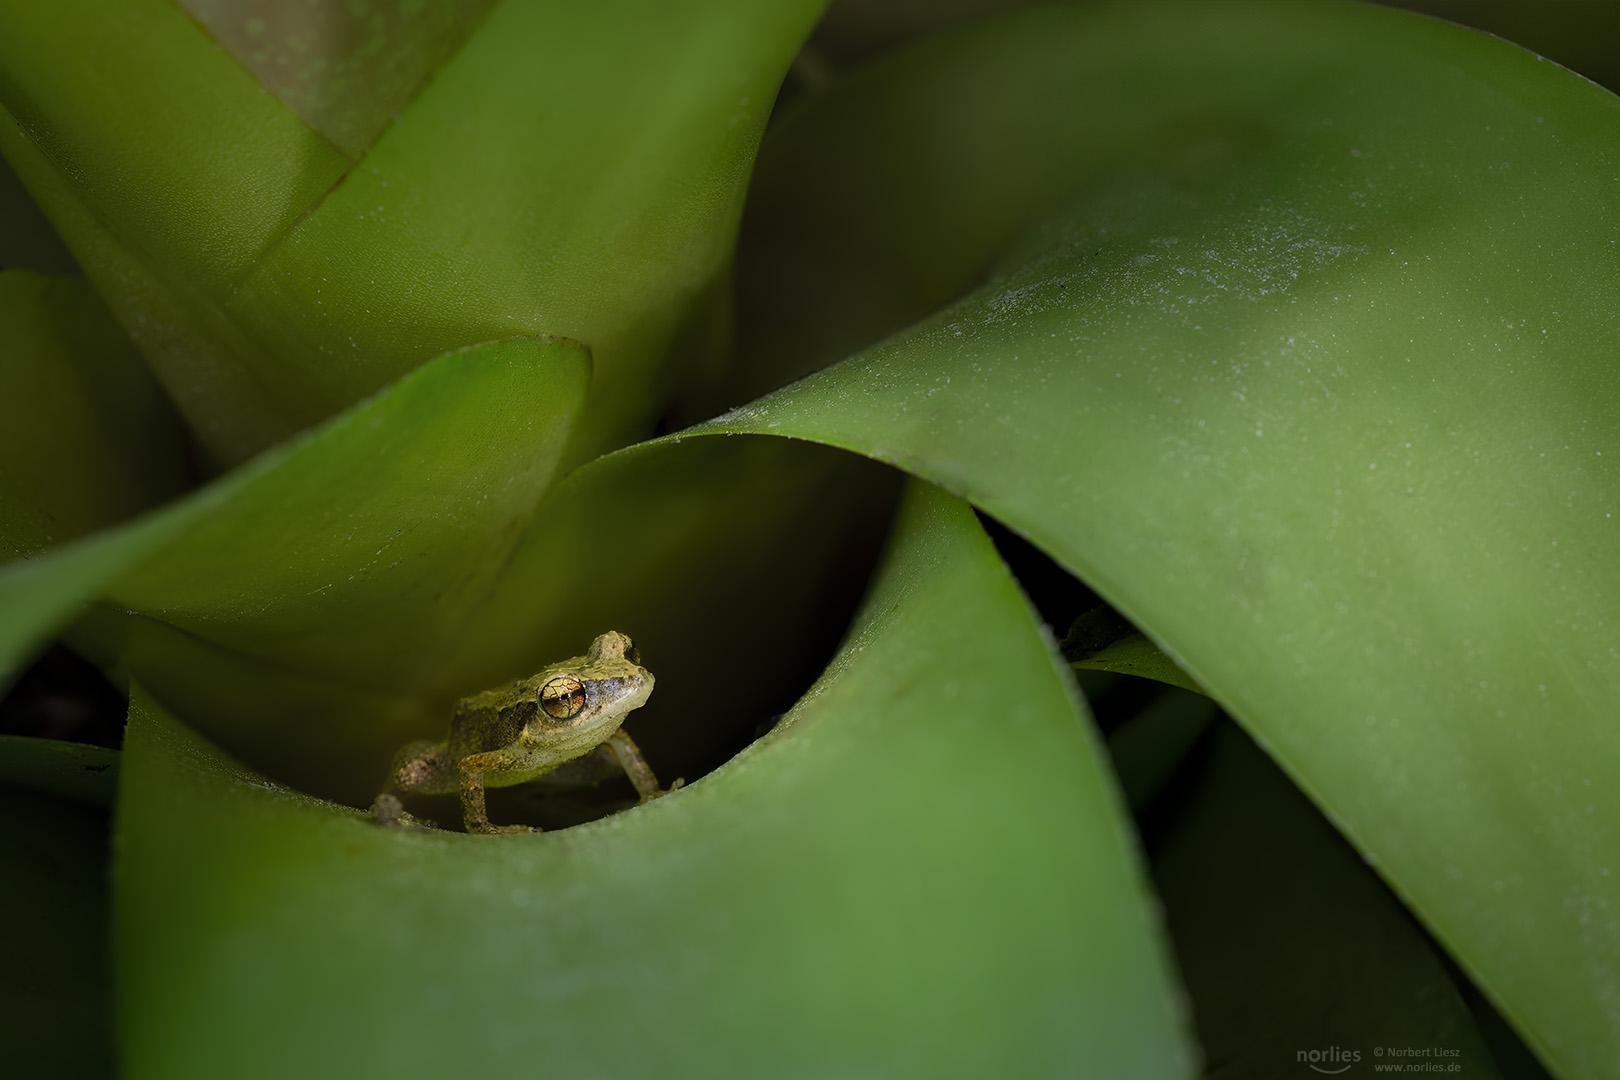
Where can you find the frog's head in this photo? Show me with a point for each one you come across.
(584, 700)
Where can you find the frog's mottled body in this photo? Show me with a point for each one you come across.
(519, 731)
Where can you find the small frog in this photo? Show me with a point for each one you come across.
(515, 733)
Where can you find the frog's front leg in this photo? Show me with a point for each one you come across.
(473, 811)
(628, 755)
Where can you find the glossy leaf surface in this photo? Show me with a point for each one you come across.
(838, 899)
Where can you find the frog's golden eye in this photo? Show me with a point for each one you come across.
(562, 698)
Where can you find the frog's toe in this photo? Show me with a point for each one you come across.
(390, 813)
(388, 810)
(660, 793)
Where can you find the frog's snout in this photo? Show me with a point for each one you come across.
(610, 691)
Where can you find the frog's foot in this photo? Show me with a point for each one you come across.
(659, 793)
(511, 829)
(389, 812)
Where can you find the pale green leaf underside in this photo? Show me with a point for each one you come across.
(922, 872)
(1330, 411)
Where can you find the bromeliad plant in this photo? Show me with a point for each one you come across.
(1288, 329)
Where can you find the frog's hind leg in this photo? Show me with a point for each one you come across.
(424, 767)
(421, 766)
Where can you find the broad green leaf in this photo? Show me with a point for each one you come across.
(1295, 955)
(802, 911)
(54, 1015)
(86, 437)
(369, 540)
(571, 169)
(1322, 398)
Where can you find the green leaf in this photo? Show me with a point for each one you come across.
(804, 909)
(86, 437)
(572, 169)
(1322, 399)
(488, 210)
(365, 542)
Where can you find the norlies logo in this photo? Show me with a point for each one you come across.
(1332, 1061)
